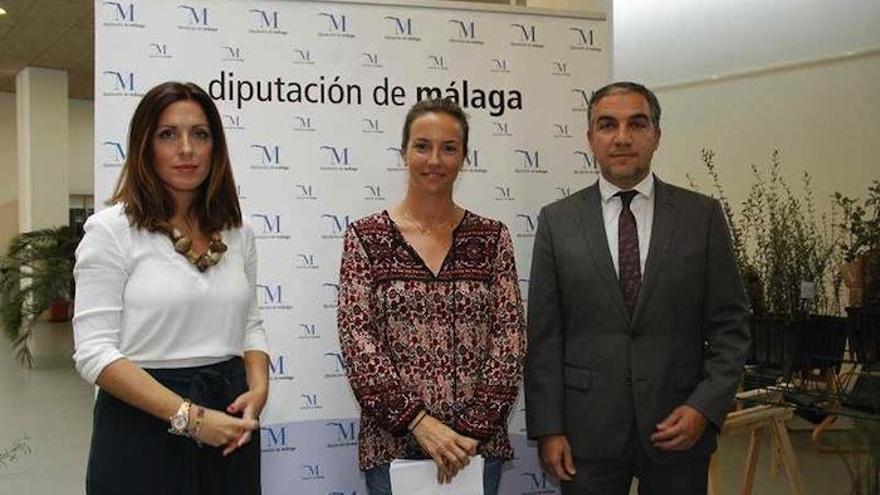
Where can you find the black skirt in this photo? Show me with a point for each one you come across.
(133, 453)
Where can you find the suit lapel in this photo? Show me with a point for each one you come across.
(589, 214)
(662, 233)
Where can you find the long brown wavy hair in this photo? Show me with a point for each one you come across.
(144, 197)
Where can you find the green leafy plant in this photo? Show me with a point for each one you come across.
(861, 222)
(860, 244)
(36, 271)
(779, 241)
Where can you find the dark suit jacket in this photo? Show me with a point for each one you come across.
(592, 369)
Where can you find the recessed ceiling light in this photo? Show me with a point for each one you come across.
(2, 11)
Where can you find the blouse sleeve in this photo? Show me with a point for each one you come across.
(502, 371)
(371, 373)
(255, 334)
(100, 274)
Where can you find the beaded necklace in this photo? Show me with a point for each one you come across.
(184, 245)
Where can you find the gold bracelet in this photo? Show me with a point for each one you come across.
(197, 425)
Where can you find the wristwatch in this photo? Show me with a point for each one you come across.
(180, 420)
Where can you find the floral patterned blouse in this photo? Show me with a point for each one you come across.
(452, 344)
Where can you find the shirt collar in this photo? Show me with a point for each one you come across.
(607, 190)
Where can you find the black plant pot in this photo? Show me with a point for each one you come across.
(768, 342)
(817, 343)
(864, 334)
(799, 345)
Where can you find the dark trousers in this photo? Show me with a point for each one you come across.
(132, 452)
(613, 477)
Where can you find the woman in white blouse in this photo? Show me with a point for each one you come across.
(166, 322)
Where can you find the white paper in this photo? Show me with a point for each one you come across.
(410, 477)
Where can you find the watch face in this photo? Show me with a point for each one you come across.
(178, 424)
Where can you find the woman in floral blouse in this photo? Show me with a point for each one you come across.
(430, 316)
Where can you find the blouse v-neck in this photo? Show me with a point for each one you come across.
(415, 253)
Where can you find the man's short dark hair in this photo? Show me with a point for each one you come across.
(625, 87)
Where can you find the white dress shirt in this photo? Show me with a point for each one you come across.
(137, 298)
(642, 207)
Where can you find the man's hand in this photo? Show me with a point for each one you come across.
(556, 459)
(680, 430)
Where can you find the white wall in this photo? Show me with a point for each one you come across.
(660, 42)
(81, 118)
(8, 149)
(824, 117)
(82, 171)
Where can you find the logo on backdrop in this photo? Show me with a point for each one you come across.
(525, 35)
(472, 162)
(401, 29)
(266, 157)
(303, 123)
(370, 59)
(334, 225)
(561, 130)
(310, 472)
(239, 189)
(502, 193)
(499, 65)
(559, 68)
(306, 261)
(304, 192)
(232, 122)
(278, 368)
(341, 433)
(436, 62)
(464, 31)
(302, 56)
(195, 18)
(584, 39)
(309, 402)
(525, 224)
(582, 98)
(500, 128)
(308, 331)
(120, 14)
(397, 157)
(158, 50)
(275, 439)
(264, 21)
(271, 297)
(337, 158)
(268, 226)
(113, 153)
(586, 163)
(331, 294)
(231, 53)
(529, 162)
(121, 83)
(371, 126)
(537, 483)
(373, 192)
(335, 25)
(335, 365)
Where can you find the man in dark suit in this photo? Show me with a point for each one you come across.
(637, 318)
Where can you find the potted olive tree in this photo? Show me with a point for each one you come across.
(786, 255)
(860, 244)
(35, 273)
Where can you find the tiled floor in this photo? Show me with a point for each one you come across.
(51, 407)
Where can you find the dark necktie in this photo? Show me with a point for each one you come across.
(628, 260)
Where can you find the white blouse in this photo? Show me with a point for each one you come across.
(137, 298)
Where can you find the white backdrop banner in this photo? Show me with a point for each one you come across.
(312, 96)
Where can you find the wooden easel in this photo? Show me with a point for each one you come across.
(754, 420)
